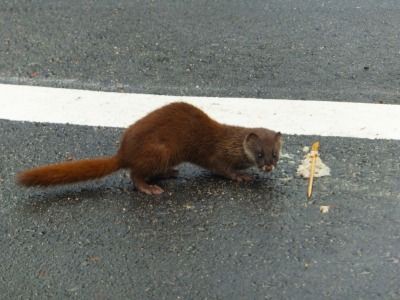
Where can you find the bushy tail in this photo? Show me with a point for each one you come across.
(69, 172)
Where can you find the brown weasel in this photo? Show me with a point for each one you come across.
(166, 137)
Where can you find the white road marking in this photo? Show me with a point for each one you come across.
(81, 107)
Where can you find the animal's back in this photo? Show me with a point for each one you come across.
(179, 115)
(179, 127)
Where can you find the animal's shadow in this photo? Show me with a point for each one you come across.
(262, 191)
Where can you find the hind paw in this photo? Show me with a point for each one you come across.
(151, 189)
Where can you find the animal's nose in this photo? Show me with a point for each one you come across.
(267, 168)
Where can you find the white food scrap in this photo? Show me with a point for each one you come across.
(321, 169)
(306, 149)
(324, 209)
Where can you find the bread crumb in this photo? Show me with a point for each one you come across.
(324, 209)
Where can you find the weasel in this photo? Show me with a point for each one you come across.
(166, 137)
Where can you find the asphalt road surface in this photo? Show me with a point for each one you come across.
(304, 49)
(206, 237)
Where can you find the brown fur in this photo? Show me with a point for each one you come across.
(69, 172)
(168, 136)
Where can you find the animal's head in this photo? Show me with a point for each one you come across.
(262, 147)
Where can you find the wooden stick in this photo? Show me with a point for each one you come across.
(314, 155)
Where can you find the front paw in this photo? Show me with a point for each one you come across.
(239, 177)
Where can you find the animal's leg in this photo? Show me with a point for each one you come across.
(231, 173)
(154, 161)
(143, 186)
(170, 173)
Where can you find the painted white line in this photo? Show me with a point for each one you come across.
(324, 118)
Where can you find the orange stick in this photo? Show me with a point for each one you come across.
(314, 155)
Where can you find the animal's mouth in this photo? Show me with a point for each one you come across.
(267, 168)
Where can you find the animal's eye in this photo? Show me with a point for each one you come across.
(260, 155)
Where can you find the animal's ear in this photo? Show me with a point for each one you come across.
(278, 135)
(252, 145)
(252, 142)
